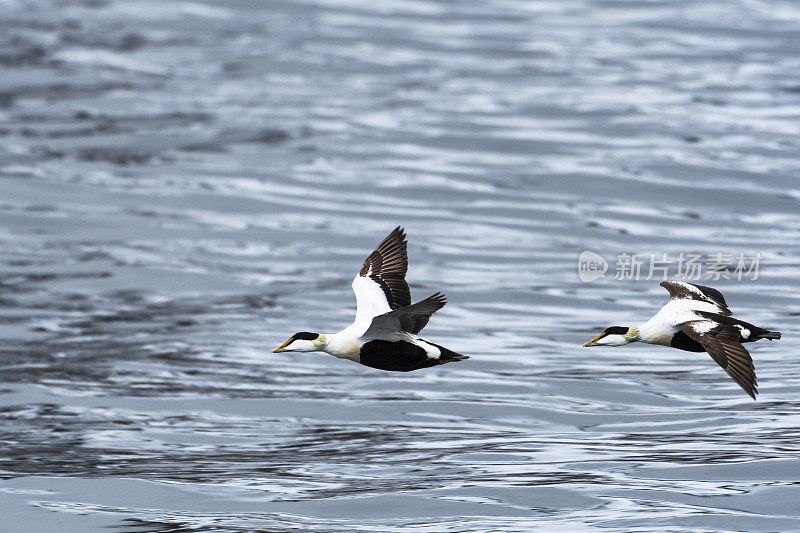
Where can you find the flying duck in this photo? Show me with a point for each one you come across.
(697, 319)
(385, 332)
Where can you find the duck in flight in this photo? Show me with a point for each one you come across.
(697, 319)
(385, 332)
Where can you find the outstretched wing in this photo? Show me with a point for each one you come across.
(380, 285)
(410, 319)
(722, 344)
(680, 290)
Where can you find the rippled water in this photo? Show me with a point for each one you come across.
(185, 184)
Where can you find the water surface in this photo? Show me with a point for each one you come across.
(183, 185)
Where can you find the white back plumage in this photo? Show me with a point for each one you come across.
(684, 300)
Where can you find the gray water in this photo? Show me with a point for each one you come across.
(185, 184)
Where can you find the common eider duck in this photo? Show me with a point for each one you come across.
(697, 319)
(385, 332)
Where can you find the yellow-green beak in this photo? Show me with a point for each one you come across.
(282, 346)
(593, 342)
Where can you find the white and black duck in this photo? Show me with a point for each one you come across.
(384, 334)
(697, 319)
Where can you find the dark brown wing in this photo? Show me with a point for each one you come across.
(722, 344)
(680, 290)
(410, 319)
(387, 266)
(415, 317)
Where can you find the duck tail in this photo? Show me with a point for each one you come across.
(771, 335)
(448, 356)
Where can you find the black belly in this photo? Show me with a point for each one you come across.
(682, 341)
(397, 356)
